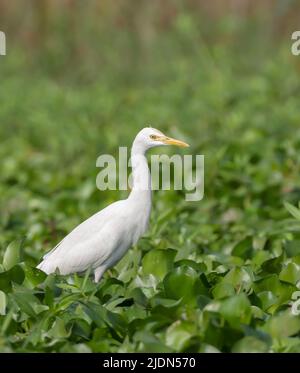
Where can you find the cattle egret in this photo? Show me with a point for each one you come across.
(103, 239)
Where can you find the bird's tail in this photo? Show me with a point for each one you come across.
(46, 267)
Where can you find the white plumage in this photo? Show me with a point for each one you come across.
(102, 240)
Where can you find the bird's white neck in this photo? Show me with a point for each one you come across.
(141, 178)
(140, 196)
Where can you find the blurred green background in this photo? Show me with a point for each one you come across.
(80, 78)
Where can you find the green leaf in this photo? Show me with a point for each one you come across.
(58, 329)
(267, 283)
(138, 296)
(243, 249)
(97, 313)
(15, 274)
(158, 262)
(165, 302)
(2, 303)
(267, 299)
(292, 210)
(283, 325)
(181, 283)
(236, 310)
(258, 313)
(273, 265)
(206, 348)
(26, 301)
(150, 343)
(272, 283)
(179, 334)
(12, 255)
(290, 273)
(33, 276)
(223, 290)
(250, 344)
(238, 277)
(81, 328)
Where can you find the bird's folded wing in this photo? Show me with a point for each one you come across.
(89, 242)
(79, 256)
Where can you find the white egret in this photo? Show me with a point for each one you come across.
(102, 240)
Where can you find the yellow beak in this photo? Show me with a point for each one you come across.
(170, 141)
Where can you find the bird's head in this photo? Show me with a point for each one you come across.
(150, 137)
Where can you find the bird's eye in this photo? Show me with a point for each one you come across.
(153, 137)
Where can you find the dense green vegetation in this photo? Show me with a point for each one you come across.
(214, 275)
